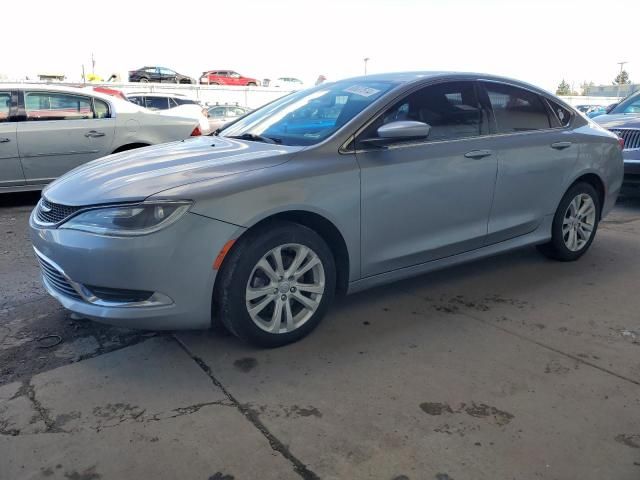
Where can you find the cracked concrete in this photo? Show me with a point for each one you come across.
(511, 367)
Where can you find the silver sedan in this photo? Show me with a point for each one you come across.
(324, 192)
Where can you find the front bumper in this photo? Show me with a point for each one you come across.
(175, 265)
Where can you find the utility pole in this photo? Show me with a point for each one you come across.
(621, 69)
(366, 59)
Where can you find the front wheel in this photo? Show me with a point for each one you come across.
(275, 285)
(574, 224)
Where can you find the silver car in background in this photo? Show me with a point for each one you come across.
(326, 191)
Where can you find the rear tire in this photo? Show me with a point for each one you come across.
(144, 80)
(574, 225)
(252, 84)
(269, 302)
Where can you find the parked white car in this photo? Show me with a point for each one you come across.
(288, 83)
(47, 130)
(173, 104)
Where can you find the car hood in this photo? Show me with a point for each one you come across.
(620, 120)
(137, 174)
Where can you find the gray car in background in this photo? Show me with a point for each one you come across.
(624, 121)
(327, 191)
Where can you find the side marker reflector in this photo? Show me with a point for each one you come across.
(223, 253)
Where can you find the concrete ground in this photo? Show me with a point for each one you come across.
(514, 367)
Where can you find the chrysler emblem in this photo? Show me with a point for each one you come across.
(44, 208)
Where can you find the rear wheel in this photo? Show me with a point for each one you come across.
(144, 80)
(276, 285)
(574, 224)
(251, 84)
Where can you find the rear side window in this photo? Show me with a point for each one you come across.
(561, 114)
(57, 106)
(5, 106)
(157, 103)
(516, 109)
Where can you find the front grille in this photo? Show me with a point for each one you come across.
(631, 137)
(56, 280)
(53, 213)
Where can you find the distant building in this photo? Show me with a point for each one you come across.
(611, 90)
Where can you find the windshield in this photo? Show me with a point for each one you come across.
(630, 104)
(309, 116)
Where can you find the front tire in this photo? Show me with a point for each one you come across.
(574, 225)
(275, 285)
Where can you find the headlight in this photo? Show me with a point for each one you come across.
(128, 220)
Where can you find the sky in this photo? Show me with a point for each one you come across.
(538, 41)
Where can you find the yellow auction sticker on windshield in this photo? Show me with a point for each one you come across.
(362, 91)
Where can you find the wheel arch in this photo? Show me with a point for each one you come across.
(595, 181)
(130, 146)
(323, 227)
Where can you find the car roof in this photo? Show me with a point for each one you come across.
(159, 94)
(86, 89)
(418, 76)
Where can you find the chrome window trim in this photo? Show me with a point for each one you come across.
(344, 151)
(156, 299)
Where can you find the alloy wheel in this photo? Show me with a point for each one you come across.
(285, 288)
(578, 222)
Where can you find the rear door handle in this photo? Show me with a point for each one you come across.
(561, 145)
(4, 140)
(478, 154)
(94, 134)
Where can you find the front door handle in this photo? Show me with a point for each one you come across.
(4, 140)
(478, 154)
(94, 134)
(561, 145)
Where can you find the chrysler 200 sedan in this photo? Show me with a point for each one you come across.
(327, 191)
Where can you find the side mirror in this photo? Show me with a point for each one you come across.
(398, 131)
(611, 107)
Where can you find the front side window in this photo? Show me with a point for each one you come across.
(137, 100)
(57, 106)
(452, 110)
(515, 109)
(5, 106)
(166, 71)
(309, 116)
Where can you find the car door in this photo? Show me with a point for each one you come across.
(535, 152)
(11, 174)
(62, 130)
(426, 199)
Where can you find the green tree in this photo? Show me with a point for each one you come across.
(564, 88)
(622, 78)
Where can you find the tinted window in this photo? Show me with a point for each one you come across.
(184, 101)
(5, 106)
(101, 108)
(451, 109)
(515, 109)
(561, 114)
(57, 106)
(166, 71)
(157, 103)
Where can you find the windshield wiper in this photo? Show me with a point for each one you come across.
(257, 138)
